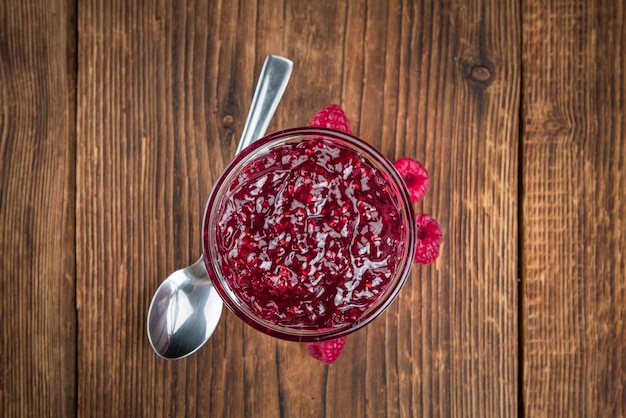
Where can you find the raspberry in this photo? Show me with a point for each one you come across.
(327, 351)
(415, 177)
(333, 117)
(429, 239)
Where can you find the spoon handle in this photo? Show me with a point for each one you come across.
(269, 90)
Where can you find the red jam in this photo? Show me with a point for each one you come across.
(309, 234)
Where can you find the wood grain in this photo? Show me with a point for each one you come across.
(163, 93)
(574, 211)
(37, 209)
(463, 121)
(117, 116)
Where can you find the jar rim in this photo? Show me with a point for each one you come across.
(263, 145)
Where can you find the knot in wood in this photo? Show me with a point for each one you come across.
(480, 73)
(228, 121)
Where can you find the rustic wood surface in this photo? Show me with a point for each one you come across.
(574, 209)
(117, 116)
(38, 357)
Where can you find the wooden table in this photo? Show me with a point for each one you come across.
(117, 116)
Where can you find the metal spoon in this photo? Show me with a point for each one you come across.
(186, 308)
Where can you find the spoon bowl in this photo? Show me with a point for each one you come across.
(184, 312)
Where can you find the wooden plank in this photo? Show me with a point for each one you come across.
(163, 91)
(37, 210)
(164, 88)
(574, 211)
(458, 103)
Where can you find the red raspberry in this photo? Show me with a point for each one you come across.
(333, 117)
(327, 351)
(429, 237)
(415, 177)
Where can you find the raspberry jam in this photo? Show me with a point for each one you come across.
(309, 234)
